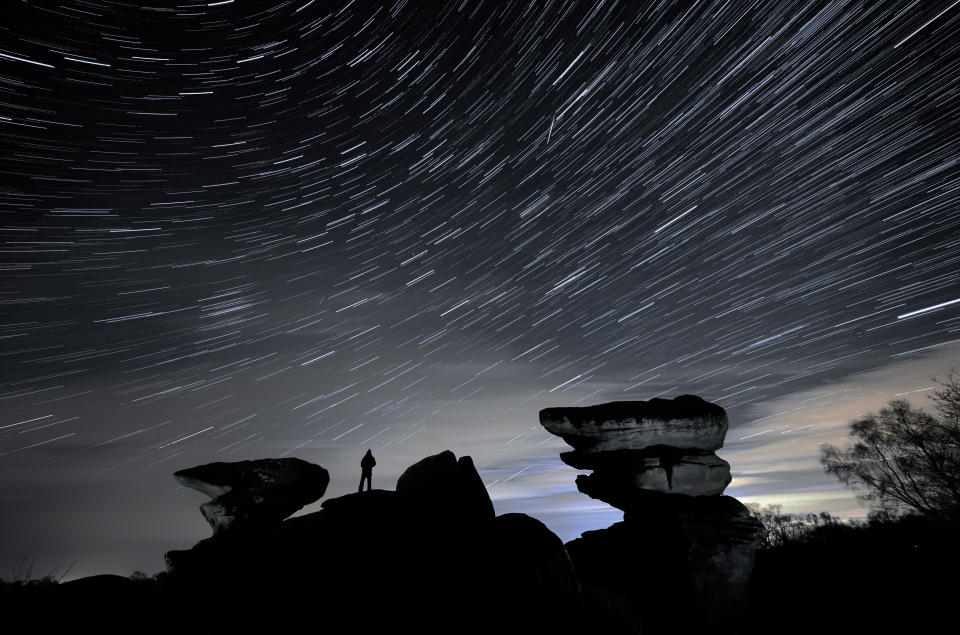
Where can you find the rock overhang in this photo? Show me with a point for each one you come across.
(686, 422)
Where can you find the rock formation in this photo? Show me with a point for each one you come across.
(430, 557)
(254, 493)
(681, 559)
(442, 482)
(687, 422)
(659, 445)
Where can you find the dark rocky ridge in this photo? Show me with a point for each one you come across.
(432, 556)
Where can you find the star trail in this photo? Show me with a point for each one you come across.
(233, 230)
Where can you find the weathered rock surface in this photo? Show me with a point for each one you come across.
(681, 559)
(661, 445)
(692, 475)
(450, 485)
(686, 422)
(253, 493)
(666, 472)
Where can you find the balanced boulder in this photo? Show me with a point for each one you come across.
(682, 548)
(254, 493)
(661, 445)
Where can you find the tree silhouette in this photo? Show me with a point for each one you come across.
(904, 459)
(782, 530)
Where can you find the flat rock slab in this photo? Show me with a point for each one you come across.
(686, 422)
(254, 492)
(704, 474)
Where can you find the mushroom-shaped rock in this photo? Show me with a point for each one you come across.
(693, 546)
(254, 493)
(450, 486)
(686, 422)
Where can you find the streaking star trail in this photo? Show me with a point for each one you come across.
(234, 231)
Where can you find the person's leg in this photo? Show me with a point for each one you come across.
(360, 489)
(369, 481)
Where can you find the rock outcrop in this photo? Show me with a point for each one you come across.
(681, 559)
(449, 485)
(430, 557)
(687, 422)
(659, 445)
(619, 475)
(254, 493)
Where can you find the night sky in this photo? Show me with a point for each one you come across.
(236, 230)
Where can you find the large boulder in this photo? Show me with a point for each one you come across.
(661, 445)
(447, 486)
(254, 493)
(686, 422)
(680, 565)
(681, 559)
(528, 565)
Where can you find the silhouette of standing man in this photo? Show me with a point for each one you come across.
(366, 467)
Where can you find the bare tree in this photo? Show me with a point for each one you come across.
(904, 459)
(22, 571)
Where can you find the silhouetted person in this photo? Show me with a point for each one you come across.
(366, 467)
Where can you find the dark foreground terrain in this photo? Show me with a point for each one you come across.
(893, 576)
(432, 557)
(366, 563)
